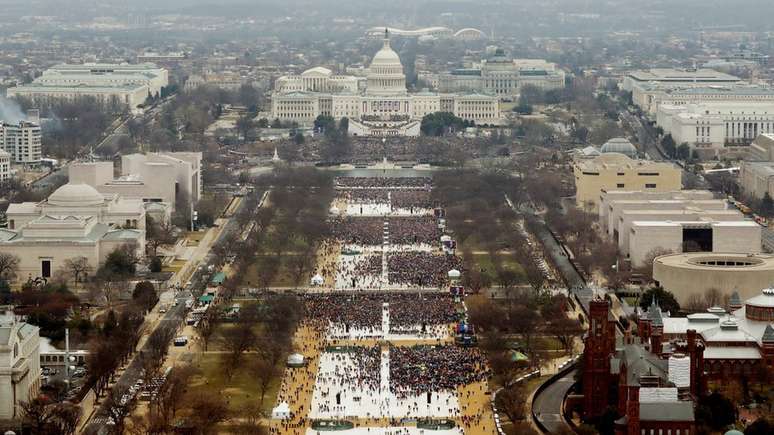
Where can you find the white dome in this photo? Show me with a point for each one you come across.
(76, 195)
(386, 56)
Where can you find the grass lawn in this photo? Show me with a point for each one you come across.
(285, 277)
(546, 343)
(484, 262)
(174, 266)
(241, 392)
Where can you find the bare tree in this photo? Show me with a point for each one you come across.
(37, 415)
(713, 297)
(207, 412)
(78, 266)
(9, 265)
(696, 303)
(65, 417)
(237, 339)
(171, 392)
(158, 234)
(265, 372)
(512, 401)
(118, 408)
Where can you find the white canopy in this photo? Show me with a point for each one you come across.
(446, 238)
(317, 280)
(454, 273)
(282, 411)
(295, 359)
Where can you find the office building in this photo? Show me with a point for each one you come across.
(155, 178)
(615, 171)
(22, 141)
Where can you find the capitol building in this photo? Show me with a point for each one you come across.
(379, 106)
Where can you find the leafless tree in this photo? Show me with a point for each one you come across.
(512, 401)
(713, 297)
(237, 339)
(171, 392)
(207, 412)
(158, 234)
(9, 265)
(37, 415)
(696, 303)
(65, 417)
(251, 423)
(265, 372)
(117, 408)
(78, 266)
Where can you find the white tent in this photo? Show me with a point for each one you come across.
(446, 238)
(281, 412)
(317, 280)
(296, 360)
(454, 274)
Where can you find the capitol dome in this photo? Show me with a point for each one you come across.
(386, 56)
(76, 195)
(385, 74)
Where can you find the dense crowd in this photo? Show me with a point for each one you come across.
(415, 198)
(407, 311)
(356, 311)
(414, 230)
(423, 269)
(381, 182)
(408, 230)
(423, 369)
(364, 195)
(358, 231)
(411, 311)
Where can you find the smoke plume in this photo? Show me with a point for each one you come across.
(10, 111)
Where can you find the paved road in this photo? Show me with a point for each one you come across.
(173, 319)
(547, 406)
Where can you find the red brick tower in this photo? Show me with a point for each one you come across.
(633, 411)
(599, 345)
(695, 351)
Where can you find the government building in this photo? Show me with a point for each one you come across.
(75, 221)
(19, 364)
(128, 85)
(502, 76)
(378, 106)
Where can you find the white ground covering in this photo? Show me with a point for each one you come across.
(388, 431)
(338, 331)
(345, 272)
(335, 376)
(382, 209)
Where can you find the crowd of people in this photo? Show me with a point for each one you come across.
(414, 230)
(407, 311)
(410, 199)
(422, 269)
(354, 310)
(368, 196)
(382, 182)
(426, 369)
(359, 230)
(406, 230)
